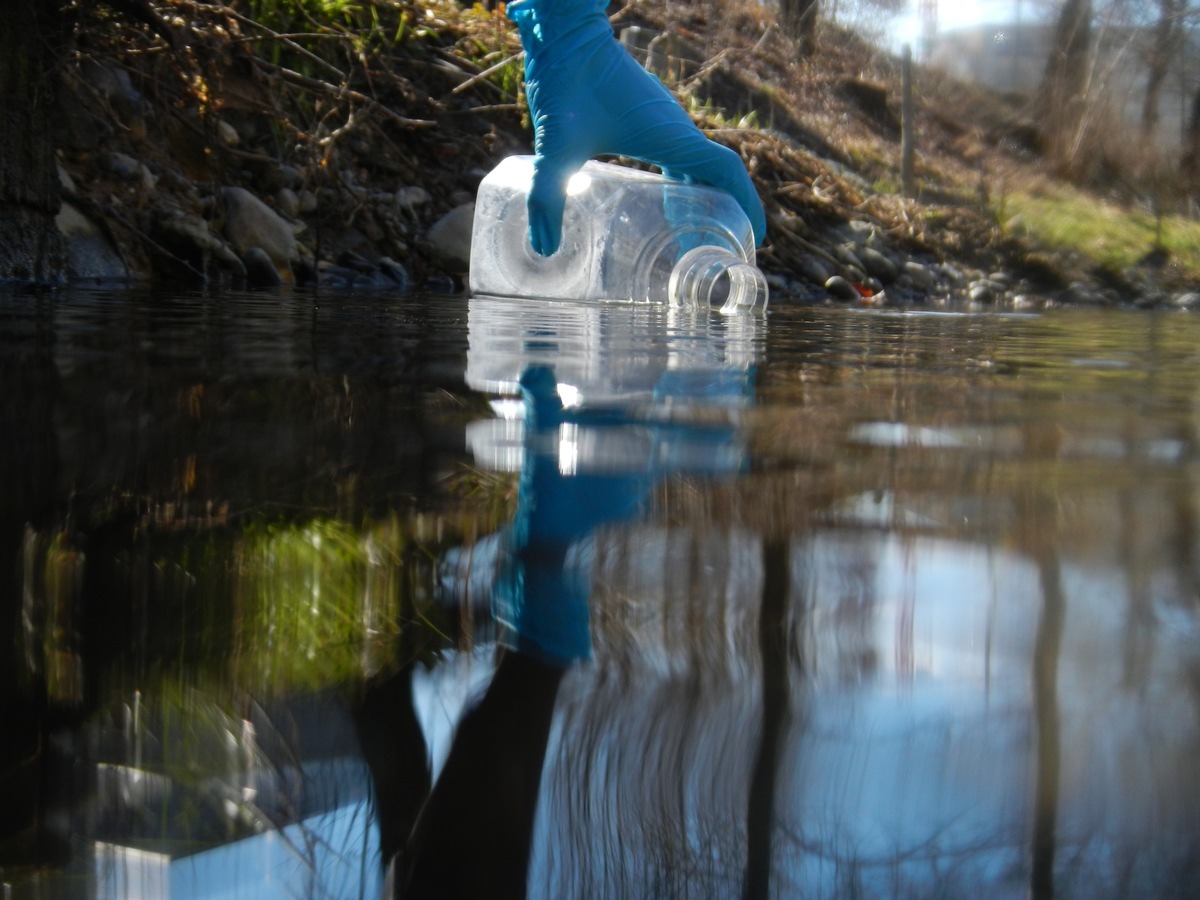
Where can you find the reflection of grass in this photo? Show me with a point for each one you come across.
(1112, 236)
(316, 603)
(273, 608)
(493, 495)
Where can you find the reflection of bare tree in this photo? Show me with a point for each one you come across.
(1047, 718)
(648, 786)
(1039, 530)
(773, 643)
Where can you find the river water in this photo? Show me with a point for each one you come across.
(596, 601)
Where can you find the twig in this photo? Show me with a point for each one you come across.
(290, 44)
(704, 69)
(496, 108)
(482, 76)
(332, 90)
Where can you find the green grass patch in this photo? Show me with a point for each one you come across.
(1109, 234)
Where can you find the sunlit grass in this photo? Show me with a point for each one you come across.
(1113, 236)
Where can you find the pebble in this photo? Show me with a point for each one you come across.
(877, 265)
(450, 236)
(921, 277)
(981, 292)
(841, 289)
(952, 274)
(188, 228)
(394, 271)
(260, 270)
(815, 269)
(848, 257)
(407, 199)
(123, 166)
(1083, 294)
(227, 134)
(288, 203)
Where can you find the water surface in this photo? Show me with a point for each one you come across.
(827, 603)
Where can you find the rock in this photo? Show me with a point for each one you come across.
(440, 284)
(1188, 300)
(921, 277)
(951, 274)
(407, 199)
(308, 202)
(981, 292)
(338, 277)
(450, 236)
(841, 289)
(776, 283)
(189, 238)
(123, 166)
(260, 269)
(371, 228)
(815, 269)
(877, 265)
(394, 271)
(287, 202)
(227, 134)
(848, 257)
(115, 85)
(860, 232)
(65, 181)
(1083, 294)
(348, 259)
(90, 254)
(251, 223)
(290, 176)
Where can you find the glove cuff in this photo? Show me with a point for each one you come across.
(560, 26)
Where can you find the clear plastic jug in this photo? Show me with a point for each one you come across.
(627, 236)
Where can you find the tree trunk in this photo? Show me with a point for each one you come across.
(1190, 158)
(32, 45)
(1064, 84)
(1168, 34)
(800, 23)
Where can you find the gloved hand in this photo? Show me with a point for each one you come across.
(587, 96)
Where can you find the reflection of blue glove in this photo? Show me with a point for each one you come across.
(542, 596)
(587, 96)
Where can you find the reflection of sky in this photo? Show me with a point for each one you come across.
(966, 612)
(914, 737)
(909, 760)
(333, 854)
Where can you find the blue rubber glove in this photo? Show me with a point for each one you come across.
(587, 97)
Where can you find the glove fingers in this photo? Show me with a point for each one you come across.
(547, 197)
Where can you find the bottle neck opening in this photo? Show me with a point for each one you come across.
(713, 276)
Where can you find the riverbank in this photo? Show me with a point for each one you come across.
(213, 144)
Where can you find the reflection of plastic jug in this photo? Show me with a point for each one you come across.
(627, 235)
